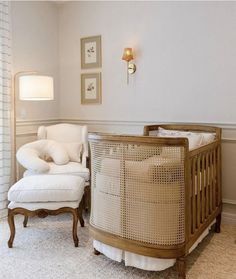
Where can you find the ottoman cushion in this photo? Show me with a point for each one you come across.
(39, 205)
(47, 188)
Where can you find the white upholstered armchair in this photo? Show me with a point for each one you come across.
(73, 139)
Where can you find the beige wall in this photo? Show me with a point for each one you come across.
(35, 48)
(185, 56)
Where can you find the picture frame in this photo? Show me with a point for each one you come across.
(91, 88)
(91, 54)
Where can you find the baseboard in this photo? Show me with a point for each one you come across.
(229, 201)
(228, 218)
(3, 213)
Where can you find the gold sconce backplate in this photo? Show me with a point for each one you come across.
(131, 68)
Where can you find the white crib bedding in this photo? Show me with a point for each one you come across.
(139, 261)
(195, 139)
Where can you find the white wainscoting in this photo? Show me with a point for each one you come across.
(26, 131)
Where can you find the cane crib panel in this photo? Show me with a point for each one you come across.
(137, 193)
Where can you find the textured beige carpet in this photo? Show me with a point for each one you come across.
(45, 250)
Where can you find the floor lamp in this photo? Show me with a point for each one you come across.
(30, 86)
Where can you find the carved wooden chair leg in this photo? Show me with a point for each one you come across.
(75, 225)
(80, 214)
(25, 221)
(12, 227)
(218, 223)
(181, 267)
(96, 252)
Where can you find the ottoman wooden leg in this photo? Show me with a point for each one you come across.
(42, 213)
(12, 227)
(25, 221)
(75, 224)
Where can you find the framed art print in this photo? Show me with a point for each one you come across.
(91, 52)
(91, 88)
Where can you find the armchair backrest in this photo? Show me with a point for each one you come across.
(66, 133)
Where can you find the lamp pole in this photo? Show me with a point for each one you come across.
(15, 176)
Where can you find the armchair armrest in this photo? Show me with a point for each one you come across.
(85, 161)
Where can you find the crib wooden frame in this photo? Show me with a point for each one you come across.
(203, 195)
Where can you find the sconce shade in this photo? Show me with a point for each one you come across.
(36, 88)
(128, 54)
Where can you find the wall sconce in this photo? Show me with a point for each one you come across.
(128, 56)
(33, 87)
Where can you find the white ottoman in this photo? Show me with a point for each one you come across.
(43, 195)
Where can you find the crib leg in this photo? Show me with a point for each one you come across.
(181, 267)
(96, 252)
(218, 223)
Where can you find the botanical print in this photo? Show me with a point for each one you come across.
(91, 56)
(90, 88)
(90, 52)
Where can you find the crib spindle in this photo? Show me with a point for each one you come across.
(193, 195)
(203, 188)
(207, 184)
(214, 180)
(211, 181)
(198, 191)
(218, 176)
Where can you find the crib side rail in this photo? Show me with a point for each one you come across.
(205, 198)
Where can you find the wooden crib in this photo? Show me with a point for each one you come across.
(153, 196)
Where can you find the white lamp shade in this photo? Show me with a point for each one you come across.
(36, 88)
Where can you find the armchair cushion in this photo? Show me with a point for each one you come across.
(74, 151)
(31, 155)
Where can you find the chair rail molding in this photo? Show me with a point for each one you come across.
(29, 127)
(25, 127)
